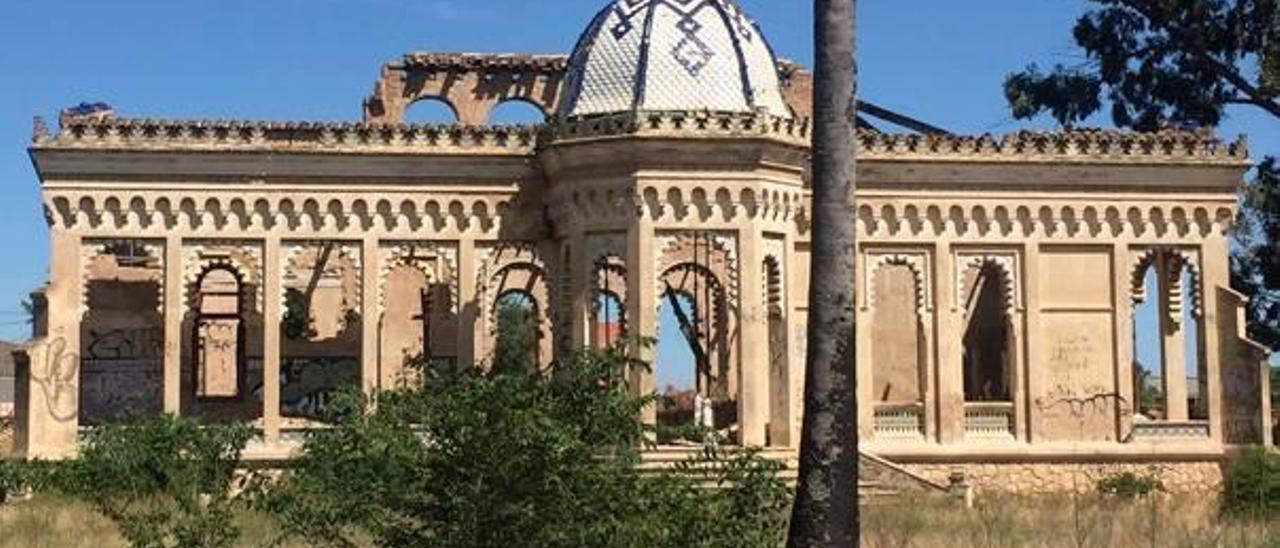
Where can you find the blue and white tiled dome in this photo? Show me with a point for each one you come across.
(651, 55)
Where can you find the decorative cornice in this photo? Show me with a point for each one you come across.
(474, 61)
(1084, 146)
(682, 125)
(1169, 147)
(332, 137)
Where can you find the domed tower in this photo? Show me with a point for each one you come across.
(675, 179)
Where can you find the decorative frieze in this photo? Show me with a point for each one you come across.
(322, 215)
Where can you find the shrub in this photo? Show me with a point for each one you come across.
(1252, 485)
(1130, 485)
(514, 458)
(164, 482)
(13, 479)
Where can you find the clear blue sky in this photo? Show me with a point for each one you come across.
(940, 60)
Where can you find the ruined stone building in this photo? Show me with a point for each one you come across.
(244, 270)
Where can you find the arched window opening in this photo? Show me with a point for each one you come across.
(988, 352)
(431, 110)
(609, 319)
(681, 387)
(219, 336)
(518, 336)
(320, 343)
(516, 111)
(609, 315)
(1148, 366)
(1169, 371)
(122, 335)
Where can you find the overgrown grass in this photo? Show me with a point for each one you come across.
(1084, 521)
(1087, 521)
(54, 522)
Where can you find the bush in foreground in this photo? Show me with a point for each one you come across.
(516, 458)
(1251, 486)
(164, 482)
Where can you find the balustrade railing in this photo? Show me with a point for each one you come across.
(1169, 430)
(899, 421)
(988, 420)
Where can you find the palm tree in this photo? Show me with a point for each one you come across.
(826, 508)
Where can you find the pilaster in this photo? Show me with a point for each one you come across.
(950, 371)
(271, 271)
(642, 304)
(1127, 402)
(753, 403)
(173, 306)
(1028, 418)
(371, 292)
(1215, 273)
(469, 304)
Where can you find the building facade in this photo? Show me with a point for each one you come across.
(243, 270)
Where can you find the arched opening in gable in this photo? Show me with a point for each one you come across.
(432, 111)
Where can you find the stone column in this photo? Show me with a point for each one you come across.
(468, 303)
(273, 293)
(753, 400)
(371, 296)
(173, 307)
(48, 376)
(1173, 337)
(642, 302)
(950, 370)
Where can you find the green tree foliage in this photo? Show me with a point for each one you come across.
(1156, 63)
(509, 457)
(165, 481)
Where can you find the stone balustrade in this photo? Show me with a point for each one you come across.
(988, 420)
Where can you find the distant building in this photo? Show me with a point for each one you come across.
(6, 379)
(242, 270)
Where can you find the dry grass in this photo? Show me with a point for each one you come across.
(1086, 521)
(57, 523)
(6, 436)
(1058, 522)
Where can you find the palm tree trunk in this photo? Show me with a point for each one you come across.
(825, 514)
